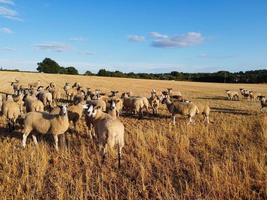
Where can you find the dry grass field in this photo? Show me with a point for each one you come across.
(225, 160)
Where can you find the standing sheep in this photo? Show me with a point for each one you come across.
(109, 131)
(263, 103)
(183, 108)
(11, 112)
(44, 123)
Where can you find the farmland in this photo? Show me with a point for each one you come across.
(225, 160)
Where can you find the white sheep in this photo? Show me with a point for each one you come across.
(11, 111)
(44, 123)
(109, 131)
(263, 102)
(186, 108)
(232, 95)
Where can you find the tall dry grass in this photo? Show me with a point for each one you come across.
(226, 160)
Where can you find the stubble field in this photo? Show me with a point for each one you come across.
(225, 160)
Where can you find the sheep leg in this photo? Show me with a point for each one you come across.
(119, 156)
(35, 140)
(24, 137)
(173, 119)
(56, 142)
(190, 120)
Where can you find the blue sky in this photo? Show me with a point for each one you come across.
(135, 35)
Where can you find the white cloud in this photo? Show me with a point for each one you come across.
(53, 46)
(9, 13)
(180, 41)
(79, 39)
(157, 35)
(9, 2)
(136, 38)
(6, 30)
(7, 49)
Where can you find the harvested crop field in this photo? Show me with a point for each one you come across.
(225, 160)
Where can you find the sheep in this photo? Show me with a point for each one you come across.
(75, 112)
(56, 93)
(11, 111)
(70, 93)
(109, 131)
(16, 86)
(99, 103)
(254, 95)
(33, 104)
(263, 102)
(115, 107)
(19, 100)
(44, 123)
(35, 84)
(154, 102)
(183, 108)
(244, 93)
(45, 96)
(135, 104)
(177, 94)
(232, 95)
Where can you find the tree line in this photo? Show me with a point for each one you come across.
(254, 76)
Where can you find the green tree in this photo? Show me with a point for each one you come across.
(48, 66)
(71, 70)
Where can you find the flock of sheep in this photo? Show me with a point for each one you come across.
(51, 109)
(249, 95)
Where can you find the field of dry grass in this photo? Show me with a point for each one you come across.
(225, 160)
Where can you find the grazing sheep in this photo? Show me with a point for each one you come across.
(44, 123)
(232, 95)
(11, 112)
(182, 108)
(263, 102)
(134, 104)
(109, 131)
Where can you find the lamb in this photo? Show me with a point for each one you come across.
(185, 108)
(263, 102)
(109, 131)
(232, 95)
(44, 123)
(11, 111)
